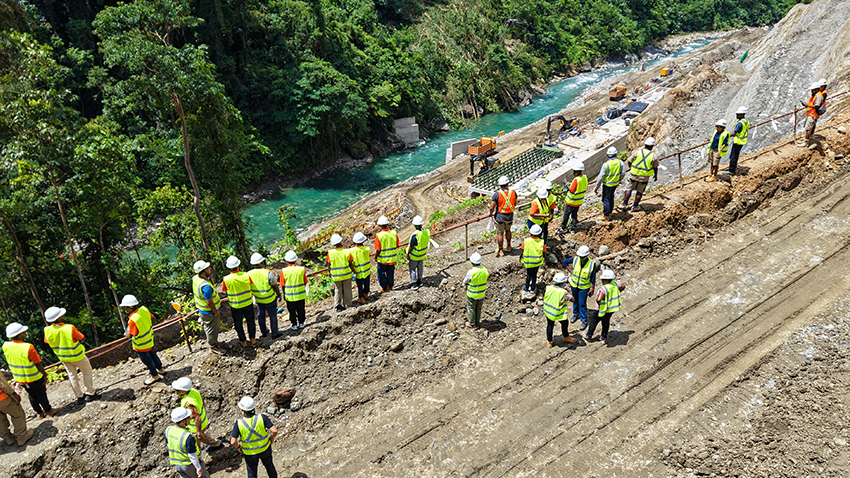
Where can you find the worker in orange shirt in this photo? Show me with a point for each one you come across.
(27, 369)
(386, 254)
(66, 342)
(575, 198)
(502, 208)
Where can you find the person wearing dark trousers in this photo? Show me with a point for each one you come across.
(609, 178)
(581, 282)
(575, 198)
(606, 303)
(739, 139)
(27, 369)
(253, 436)
(555, 301)
(264, 287)
(237, 286)
(140, 329)
(362, 267)
(293, 281)
(386, 254)
(533, 249)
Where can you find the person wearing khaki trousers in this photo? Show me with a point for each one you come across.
(11, 409)
(66, 342)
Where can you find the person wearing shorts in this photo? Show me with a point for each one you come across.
(642, 164)
(502, 207)
(718, 146)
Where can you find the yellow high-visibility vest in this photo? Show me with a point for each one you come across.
(294, 285)
(144, 322)
(478, 284)
(255, 437)
(197, 284)
(552, 306)
(177, 438)
(194, 399)
(17, 357)
(642, 166)
(532, 252)
(611, 303)
(423, 238)
(362, 267)
(389, 247)
(60, 338)
(238, 289)
(261, 288)
(340, 270)
(576, 198)
(581, 275)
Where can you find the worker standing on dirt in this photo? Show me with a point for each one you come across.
(533, 249)
(417, 250)
(609, 178)
(362, 267)
(67, 343)
(642, 164)
(717, 148)
(386, 252)
(342, 270)
(191, 400)
(293, 279)
(540, 212)
(140, 329)
(502, 207)
(553, 206)
(555, 301)
(581, 282)
(266, 292)
(208, 302)
(253, 436)
(814, 108)
(237, 285)
(11, 410)
(603, 306)
(27, 369)
(476, 287)
(739, 139)
(575, 198)
(183, 452)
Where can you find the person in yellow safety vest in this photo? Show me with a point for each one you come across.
(183, 451)
(717, 148)
(27, 369)
(476, 287)
(293, 281)
(417, 250)
(341, 265)
(739, 139)
(533, 250)
(237, 285)
(362, 267)
(555, 301)
(253, 435)
(603, 306)
(642, 164)
(814, 108)
(11, 409)
(502, 208)
(266, 292)
(140, 329)
(67, 343)
(208, 302)
(609, 178)
(553, 206)
(540, 212)
(191, 399)
(575, 198)
(583, 276)
(386, 254)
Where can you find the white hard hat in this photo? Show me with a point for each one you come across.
(612, 151)
(200, 266)
(475, 258)
(129, 301)
(578, 167)
(232, 262)
(741, 111)
(822, 82)
(720, 122)
(417, 221)
(179, 414)
(536, 230)
(504, 181)
(815, 86)
(383, 221)
(607, 274)
(359, 238)
(649, 141)
(247, 404)
(52, 314)
(336, 239)
(257, 258)
(542, 193)
(583, 251)
(546, 184)
(14, 329)
(183, 384)
(560, 278)
(290, 256)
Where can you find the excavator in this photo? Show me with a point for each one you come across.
(566, 124)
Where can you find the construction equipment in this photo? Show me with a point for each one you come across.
(481, 147)
(617, 93)
(487, 162)
(565, 125)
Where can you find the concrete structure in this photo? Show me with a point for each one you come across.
(407, 130)
(458, 147)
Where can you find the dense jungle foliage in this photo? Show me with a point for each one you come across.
(125, 125)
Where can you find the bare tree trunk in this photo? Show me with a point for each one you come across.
(5, 310)
(19, 257)
(109, 279)
(178, 103)
(70, 242)
(240, 229)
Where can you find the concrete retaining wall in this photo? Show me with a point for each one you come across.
(458, 148)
